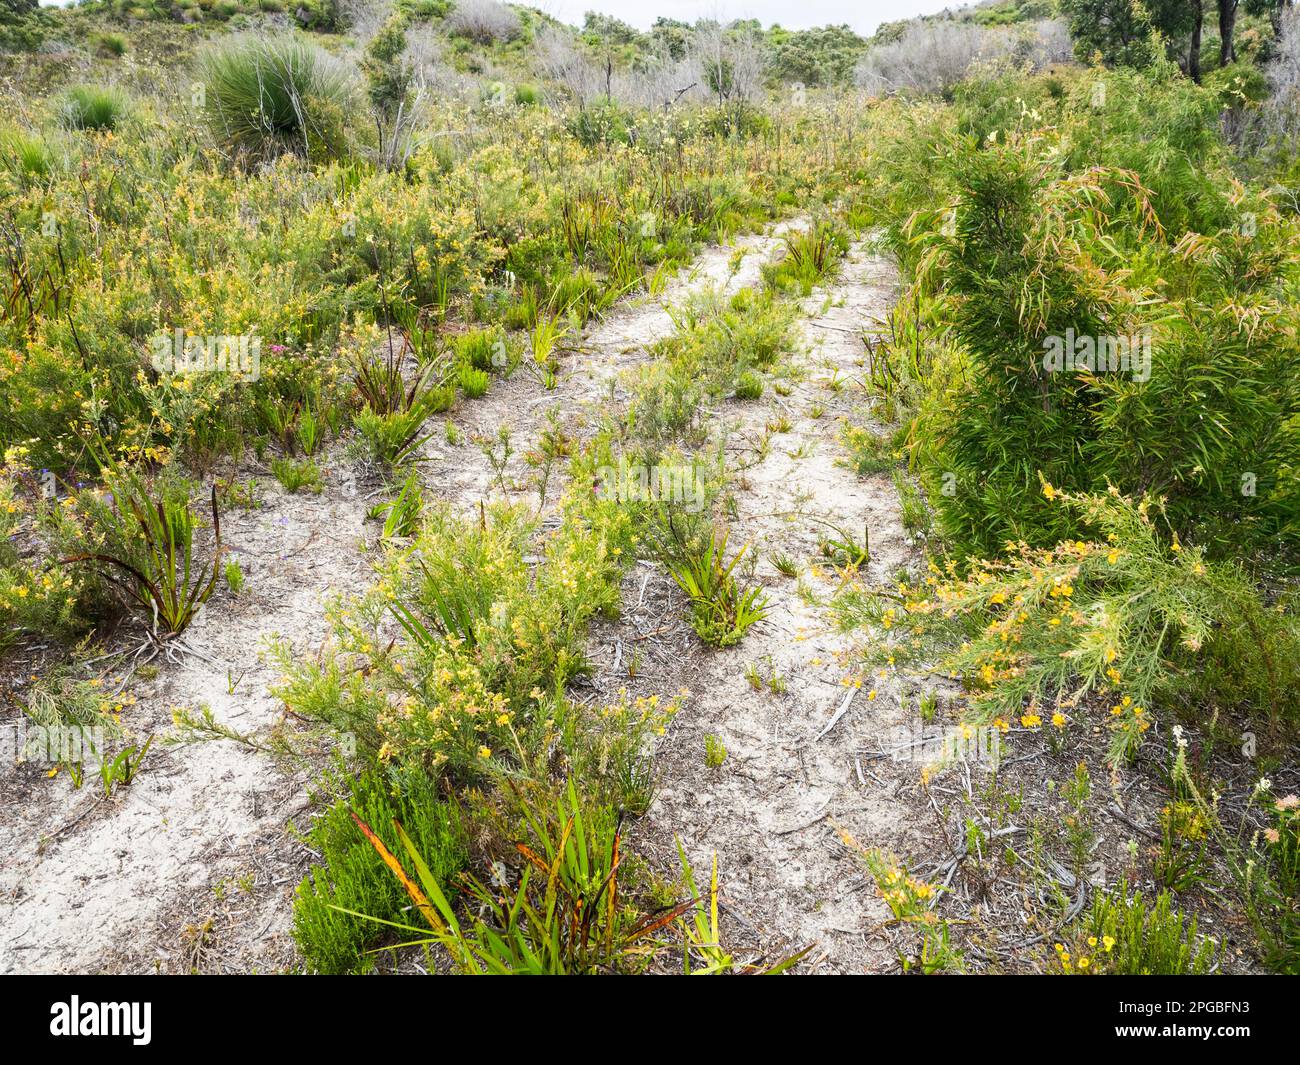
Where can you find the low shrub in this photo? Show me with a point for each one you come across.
(141, 538)
(351, 880)
(561, 916)
(723, 608)
(1132, 616)
(93, 107)
(1126, 935)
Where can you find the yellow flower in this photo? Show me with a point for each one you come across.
(1031, 720)
(1058, 719)
(1049, 491)
(485, 752)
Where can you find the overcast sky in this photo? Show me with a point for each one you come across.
(863, 15)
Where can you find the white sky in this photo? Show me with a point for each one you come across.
(863, 15)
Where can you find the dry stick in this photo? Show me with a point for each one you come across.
(80, 817)
(1116, 812)
(807, 824)
(844, 706)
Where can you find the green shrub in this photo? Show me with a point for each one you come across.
(392, 420)
(809, 255)
(723, 608)
(473, 382)
(1204, 414)
(486, 639)
(1129, 615)
(479, 348)
(94, 107)
(140, 537)
(558, 917)
(1129, 936)
(295, 475)
(749, 385)
(388, 77)
(352, 876)
(267, 96)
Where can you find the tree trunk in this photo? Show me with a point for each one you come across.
(1194, 50)
(1227, 26)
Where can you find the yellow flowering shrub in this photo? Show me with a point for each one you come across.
(1124, 615)
(33, 597)
(460, 654)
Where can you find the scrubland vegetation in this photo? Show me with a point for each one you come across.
(264, 257)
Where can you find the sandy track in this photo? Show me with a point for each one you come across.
(767, 812)
(588, 384)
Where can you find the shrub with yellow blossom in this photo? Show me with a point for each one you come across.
(1124, 616)
(912, 902)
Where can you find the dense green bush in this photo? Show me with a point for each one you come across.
(1084, 233)
(96, 107)
(352, 876)
(266, 96)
